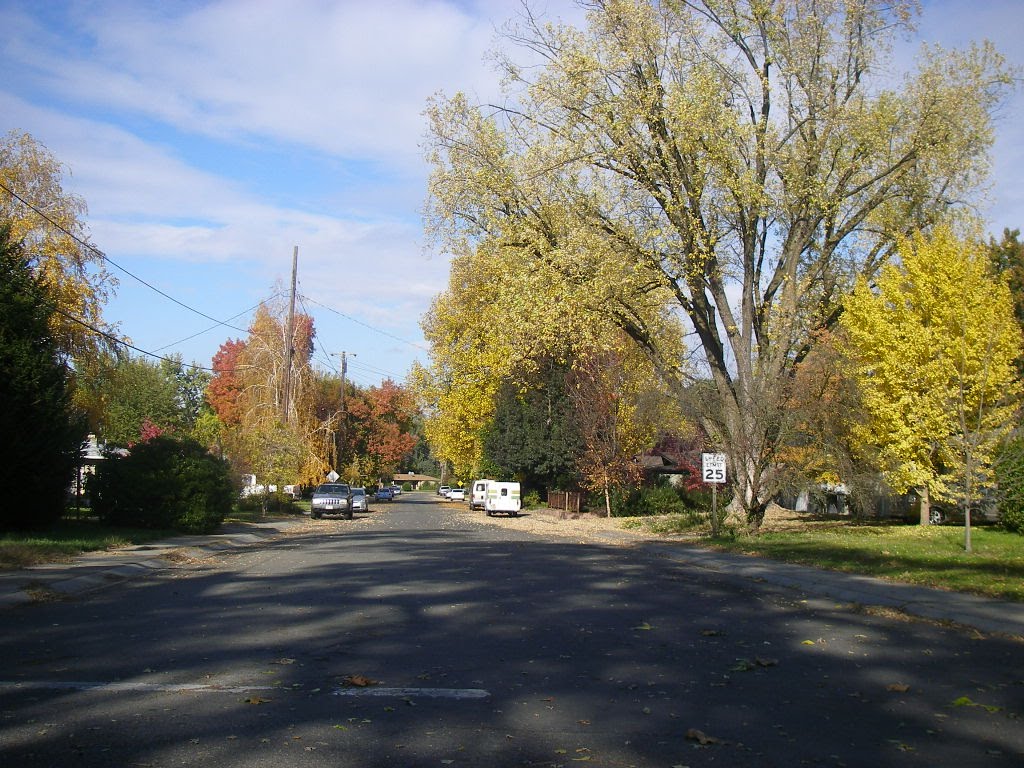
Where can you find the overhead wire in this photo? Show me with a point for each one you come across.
(93, 249)
(124, 343)
(366, 325)
(215, 327)
(217, 323)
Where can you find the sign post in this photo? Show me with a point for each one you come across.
(713, 472)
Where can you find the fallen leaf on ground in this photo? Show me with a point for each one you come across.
(256, 700)
(897, 687)
(701, 738)
(643, 625)
(360, 681)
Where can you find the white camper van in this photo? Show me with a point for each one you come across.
(478, 493)
(502, 498)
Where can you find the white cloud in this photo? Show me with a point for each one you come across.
(210, 138)
(349, 78)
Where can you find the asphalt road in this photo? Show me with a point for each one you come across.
(415, 636)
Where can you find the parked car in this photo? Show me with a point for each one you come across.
(442, 490)
(384, 494)
(331, 499)
(396, 490)
(457, 494)
(984, 512)
(360, 501)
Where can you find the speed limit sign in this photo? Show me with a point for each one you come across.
(713, 467)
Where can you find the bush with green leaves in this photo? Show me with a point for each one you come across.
(662, 498)
(268, 503)
(42, 438)
(167, 482)
(1010, 477)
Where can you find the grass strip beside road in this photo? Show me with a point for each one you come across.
(67, 538)
(932, 556)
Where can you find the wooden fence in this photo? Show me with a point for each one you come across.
(570, 502)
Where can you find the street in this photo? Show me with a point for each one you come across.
(421, 635)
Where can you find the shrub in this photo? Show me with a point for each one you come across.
(663, 498)
(531, 500)
(164, 483)
(268, 503)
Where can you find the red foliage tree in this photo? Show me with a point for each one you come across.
(226, 384)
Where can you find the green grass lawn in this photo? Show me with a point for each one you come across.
(931, 556)
(68, 538)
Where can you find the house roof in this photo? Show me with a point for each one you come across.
(412, 477)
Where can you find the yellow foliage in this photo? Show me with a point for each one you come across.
(933, 345)
(76, 276)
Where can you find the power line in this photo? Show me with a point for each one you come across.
(215, 327)
(90, 247)
(367, 325)
(327, 356)
(378, 371)
(124, 343)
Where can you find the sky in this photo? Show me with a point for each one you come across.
(209, 139)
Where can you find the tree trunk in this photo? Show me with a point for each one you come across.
(926, 507)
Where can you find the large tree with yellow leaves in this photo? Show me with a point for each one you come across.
(735, 161)
(934, 343)
(49, 223)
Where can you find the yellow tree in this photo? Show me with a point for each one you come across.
(505, 311)
(933, 344)
(740, 157)
(50, 224)
(270, 436)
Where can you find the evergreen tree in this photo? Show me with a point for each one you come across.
(41, 438)
(533, 436)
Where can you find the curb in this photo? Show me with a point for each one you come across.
(93, 571)
(999, 617)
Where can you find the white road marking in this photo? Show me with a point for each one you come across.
(417, 693)
(129, 687)
(69, 685)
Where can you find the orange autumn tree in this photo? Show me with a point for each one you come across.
(380, 432)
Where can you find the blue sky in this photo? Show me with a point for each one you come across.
(210, 138)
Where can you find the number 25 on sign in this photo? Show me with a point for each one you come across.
(713, 467)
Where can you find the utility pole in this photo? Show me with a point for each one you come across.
(289, 344)
(343, 418)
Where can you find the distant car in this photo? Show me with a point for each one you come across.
(457, 494)
(443, 490)
(384, 494)
(396, 489)
(331, 499)
(360, 501)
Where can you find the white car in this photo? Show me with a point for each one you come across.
(443, 491)
(457, 494)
